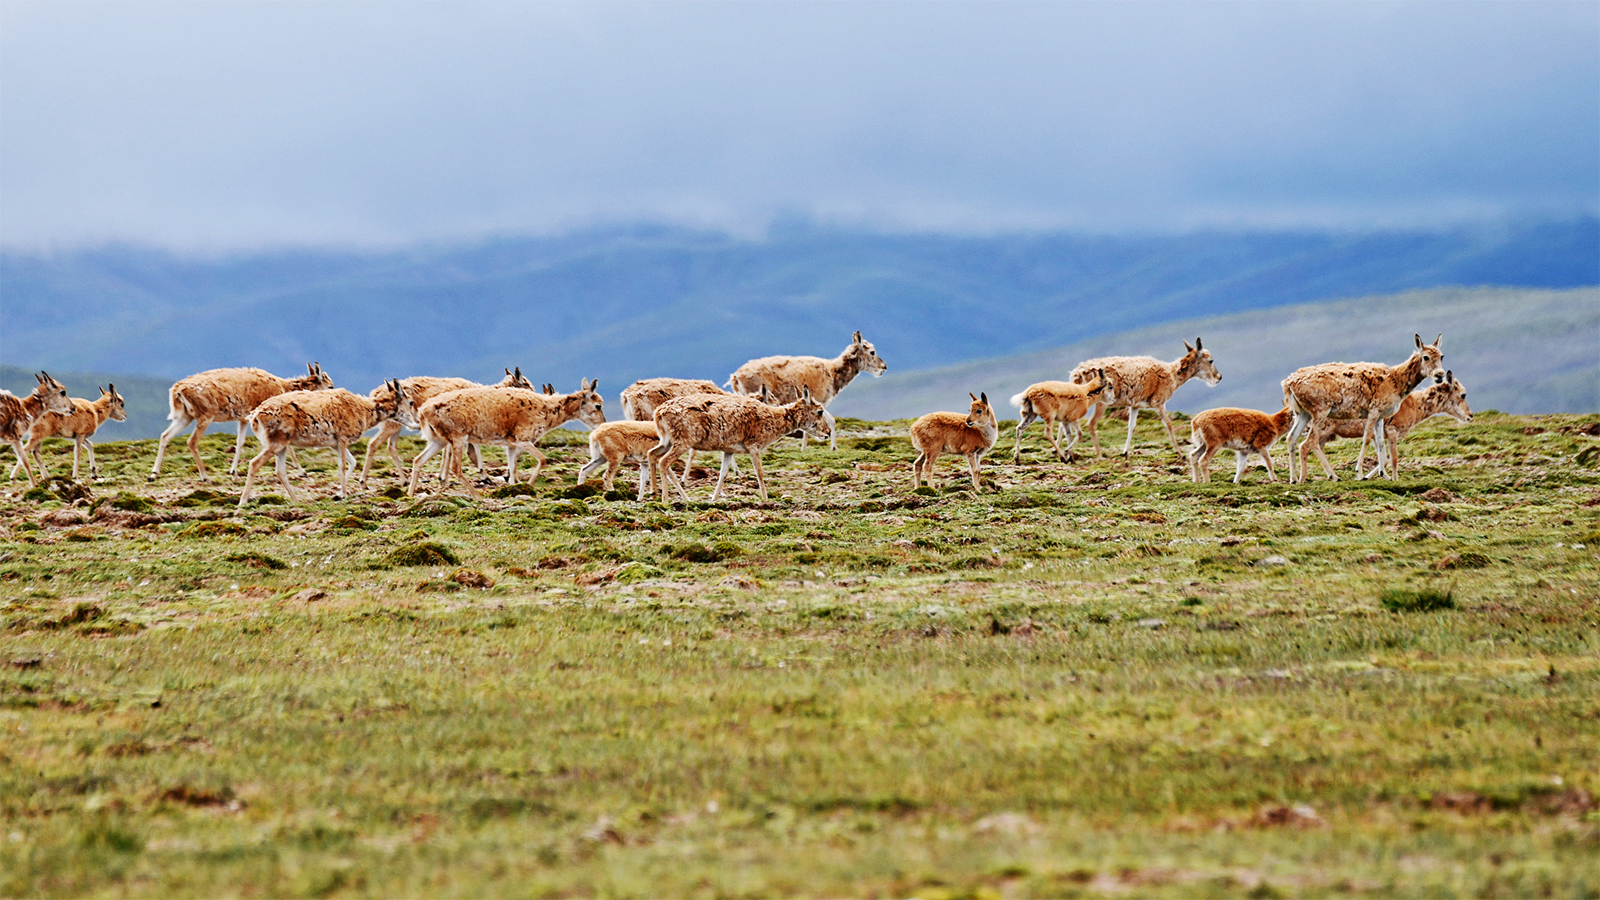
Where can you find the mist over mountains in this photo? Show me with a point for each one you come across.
(631, 302)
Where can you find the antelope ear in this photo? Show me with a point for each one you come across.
(1197, 344)
(1187, 348)
(856, 338)
(595, 385)
(1437, 340)
(1418, 338)
(102, 390)
(1449, 377)
(984, 396)
(42, 377)
(973, 396)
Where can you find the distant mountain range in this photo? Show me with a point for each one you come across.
(626, 303)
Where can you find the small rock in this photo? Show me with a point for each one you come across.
(1151, 623)
(1274, 561)
(1438, 495)
(309, 595)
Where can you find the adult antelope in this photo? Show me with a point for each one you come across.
(786, 376)
(226, 395)
(1365, 390)
(1143, 382)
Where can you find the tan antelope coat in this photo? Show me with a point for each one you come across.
(1446, 399)
(333, 418)
(421, 389)
(1367, 391)
(970, 435)
(17, 415)
(226, 395)
(728, 424)
(1244, 431)
(78, 426)
(507, 417)
(786, 376)
(1142, 382)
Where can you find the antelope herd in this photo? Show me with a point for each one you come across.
(763, 401)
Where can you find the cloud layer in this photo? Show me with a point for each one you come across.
(226, 125)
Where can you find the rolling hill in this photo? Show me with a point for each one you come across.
(1516, 350)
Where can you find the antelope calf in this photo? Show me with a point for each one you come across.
(226, 395)
(1142, 382)
(17, 415)
(421, 389)
(514, 418)
(1057, 403)
(946, 432)
(1367, 391)
(321, 418)
(729, 424)
(80, 424)
(787, 376)
(1244, 431)
(1448, 398)
(615, 443)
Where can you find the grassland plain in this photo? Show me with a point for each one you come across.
(1088, 680)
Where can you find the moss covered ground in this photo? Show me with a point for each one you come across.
(1094, 679)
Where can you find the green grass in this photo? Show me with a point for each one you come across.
(1090, 680)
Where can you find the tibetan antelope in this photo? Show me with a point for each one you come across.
(786, 376)
(17, 415)
(1142, 382)
(79, 425)
(333, 418)
(1244, 431)
(226, 395)
(970, 435)
(1366, 391)
(421, 389)
(1448, 398)
(513, 418)
(615, 443)
(728, 424)
(1059, 404)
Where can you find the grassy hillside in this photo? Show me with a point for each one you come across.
(1095, 680)
(1516, 350)
(623, 304)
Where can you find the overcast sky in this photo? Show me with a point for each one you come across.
(219, 125)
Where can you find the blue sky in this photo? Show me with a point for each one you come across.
(239, 125)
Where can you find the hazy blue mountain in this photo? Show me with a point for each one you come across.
(1516, 350)
(626, 303)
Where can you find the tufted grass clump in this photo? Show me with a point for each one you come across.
(1419, 600)
(423, 553)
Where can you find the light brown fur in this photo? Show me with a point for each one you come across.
(1244, 431)
(970, 435)
(1057, 403)
(640, 399)
(728, 424)
(321, 418)
(226, 395)
(513, 418)
(17, 415)
(1446, 399)
(786, 376)
(79, 426)
(1370, 392)
(421, 389)
(1142, 382)
(615, 443)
